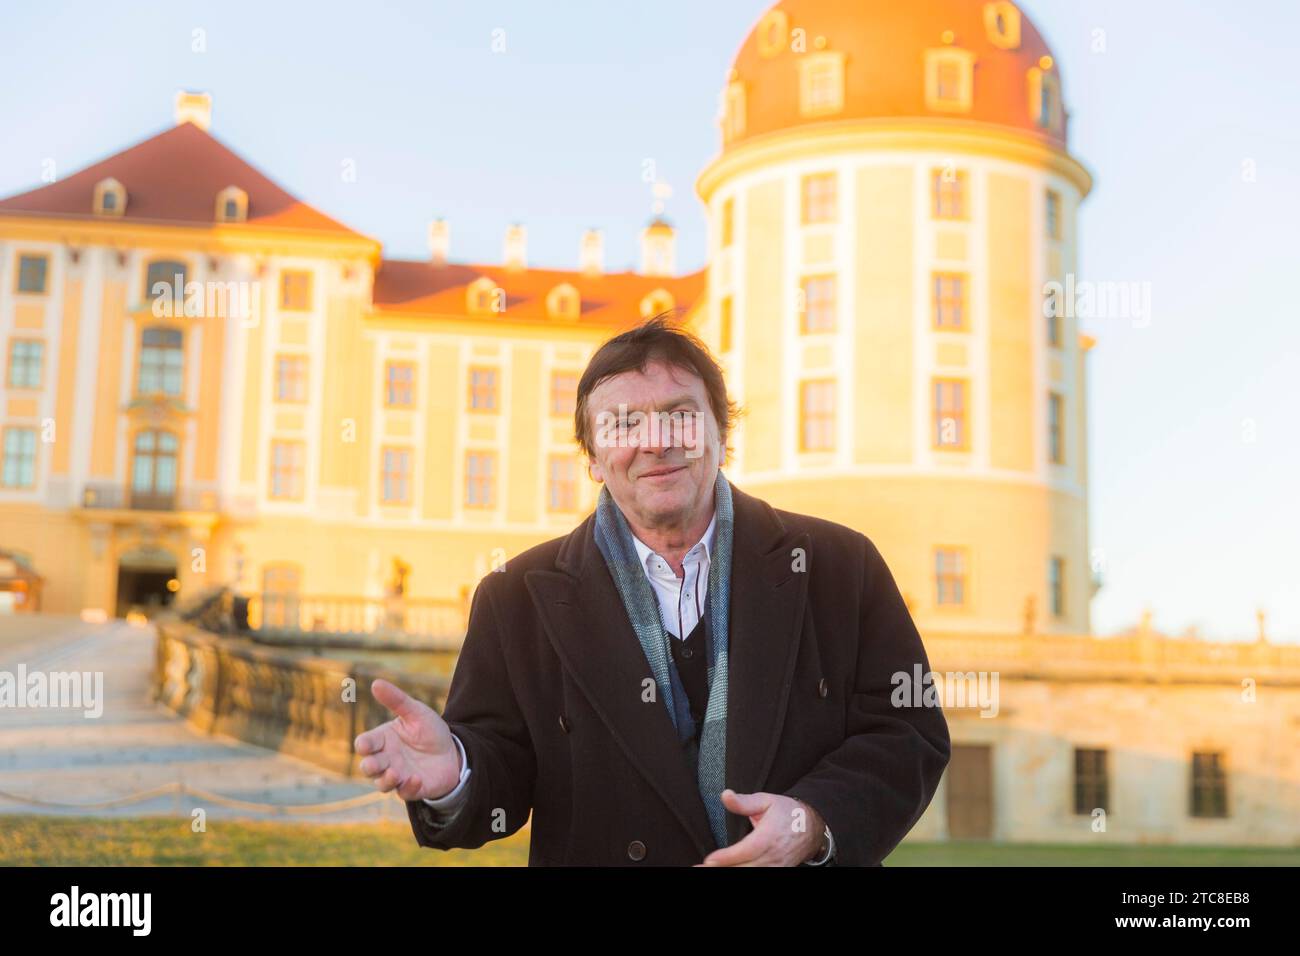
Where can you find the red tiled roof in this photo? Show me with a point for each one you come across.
(610, 299)
(174, 177)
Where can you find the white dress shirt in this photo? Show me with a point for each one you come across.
(681, 604)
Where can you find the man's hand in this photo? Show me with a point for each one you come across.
(787, 832)
(414, 753)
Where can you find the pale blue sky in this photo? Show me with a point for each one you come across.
(1191, 519)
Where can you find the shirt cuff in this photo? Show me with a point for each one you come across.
(448, 803)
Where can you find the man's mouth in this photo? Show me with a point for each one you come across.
(662, 472)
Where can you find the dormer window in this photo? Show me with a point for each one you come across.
(821, 83)
(1045, 97)
(733, 117)
(658, 301)
(483, 297)
(563, 302)
(949, 79)
(1002, 24)
(773, 33)
(110, 198)
(232, 205)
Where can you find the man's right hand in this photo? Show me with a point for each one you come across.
(413, 753)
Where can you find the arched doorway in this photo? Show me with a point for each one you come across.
(146, 580)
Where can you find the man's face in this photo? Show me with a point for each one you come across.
(660, 464)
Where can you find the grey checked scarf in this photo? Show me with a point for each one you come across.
(614, 538)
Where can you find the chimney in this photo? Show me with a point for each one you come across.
(591, 254)
(439, 241)
(657, 243)
(516, 256)
(194, 108)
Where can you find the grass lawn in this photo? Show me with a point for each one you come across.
(167, 841)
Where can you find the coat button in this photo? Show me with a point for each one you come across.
(636, 850)
(822, 689)
(687, 653)
(564, 723)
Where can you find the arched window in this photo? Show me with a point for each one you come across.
(153, 470)
(164, 283)
(162, 357)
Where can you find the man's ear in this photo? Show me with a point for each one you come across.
(594, 469)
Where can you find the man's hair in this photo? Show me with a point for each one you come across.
(655, 339)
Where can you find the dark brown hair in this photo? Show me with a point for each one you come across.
(655, 339)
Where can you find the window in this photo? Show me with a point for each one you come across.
(949, 79)
(728, 222)
(25, 363)
(288, 466)
(1045, 96)
(773, 33)
(1209, 785)
(819, 198)
(162, 359)
(1091, 781)
(165, 280)
(483, 296)
(32, 274)
(564, 392)
(295, 290)
(1054, 320)
(656, 303)
(818, 299)
(109, 198)
(153, 470)
(280, 586)
(562, 492)
(817, 415)
(733, 117)
(949, 577)
(399, 381)
(563, 302)
(950, 414)
(482, 389)
(291, 378)
(724, 324)
(1002, 23)
(19, 468)
(397, 476)
(1053, 214)
(948, 305)
(1056, 585)
(232, 205)
(948, 193)
(480, 479)
(1055, 425)
(821, 83)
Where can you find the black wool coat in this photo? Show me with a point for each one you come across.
(547, 699)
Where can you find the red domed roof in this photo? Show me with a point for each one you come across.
(885, 43)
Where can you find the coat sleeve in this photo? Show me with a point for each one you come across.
(483, 712)
(873, 788)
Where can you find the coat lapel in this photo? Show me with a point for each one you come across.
(588, 626)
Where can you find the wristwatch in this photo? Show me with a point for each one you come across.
(826, 855)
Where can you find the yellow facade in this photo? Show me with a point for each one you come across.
(880, 269)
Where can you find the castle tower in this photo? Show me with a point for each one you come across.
(893, 195)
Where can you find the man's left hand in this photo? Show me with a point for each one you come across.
(787, 832)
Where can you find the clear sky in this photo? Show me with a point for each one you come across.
(1193, 435)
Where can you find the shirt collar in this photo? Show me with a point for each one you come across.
(705, 543)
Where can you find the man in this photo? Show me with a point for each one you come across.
(690, 677)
